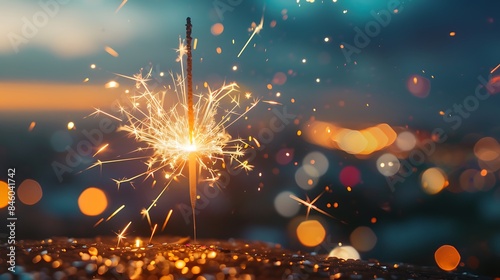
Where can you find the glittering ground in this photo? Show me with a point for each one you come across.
(178, 258)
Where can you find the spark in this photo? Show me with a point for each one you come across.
(166, 219)
(98, 111)
(145, 212)
(101, 149)
(111, 51)
(121, 6)
(152, 233)
(121, 235)
(99, 222)
(310, 204)
(116, 212)
(495, 69)
(32, 126)
(167, 143)
(271, 102)
(256, 30)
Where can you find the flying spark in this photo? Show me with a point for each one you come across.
(495, 69)
(271, 102)
(116, 212)
(310, 204)
(256, 30)
(121, 6)
(100, 149)
(166, 219)
(121, 235)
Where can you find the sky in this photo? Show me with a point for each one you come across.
(417, 68)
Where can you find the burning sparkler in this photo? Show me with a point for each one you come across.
(191, 132)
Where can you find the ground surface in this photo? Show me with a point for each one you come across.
(180, 258)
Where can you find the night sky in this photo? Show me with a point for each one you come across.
(425, 70)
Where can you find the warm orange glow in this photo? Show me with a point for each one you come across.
(447, 257)
(92, 201)
(269, 86)
(484, 172)
(29, 192)
(359, 142)
(4, 191)
(311, 233)
(112, 84)
(217, 29)
(433, 180)
(41, 96)
(363, 239)
(111, 51)
(32, 126)
(487, 149)
(218, 50)
(452, 33)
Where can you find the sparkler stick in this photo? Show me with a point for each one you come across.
(192, 156)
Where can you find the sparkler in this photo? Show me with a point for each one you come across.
(192, 131)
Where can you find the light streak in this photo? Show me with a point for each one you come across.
(256, 30)
(167, 219)
(116, 212)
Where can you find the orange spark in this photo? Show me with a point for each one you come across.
(166, 219)
(495, 69)
(116, 212)
(100, 149)
(121, 5)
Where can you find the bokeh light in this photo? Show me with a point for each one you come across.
(433, 180)
(418, 86)
(388, 164)
(311, 233)
(4, 194)
(487, 149)
(406, 141)
(112, 84)
(344, 252)
(285, 206)
(318, 161)
(351, 141)
(306, 177)
(447, 257)
(471, 180)
(284, 156)
(217, 29)
(29, 192)
(279, 78)
(363, 239)
(92, 201)
(350, 176)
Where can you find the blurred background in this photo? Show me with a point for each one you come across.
(376, 134)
